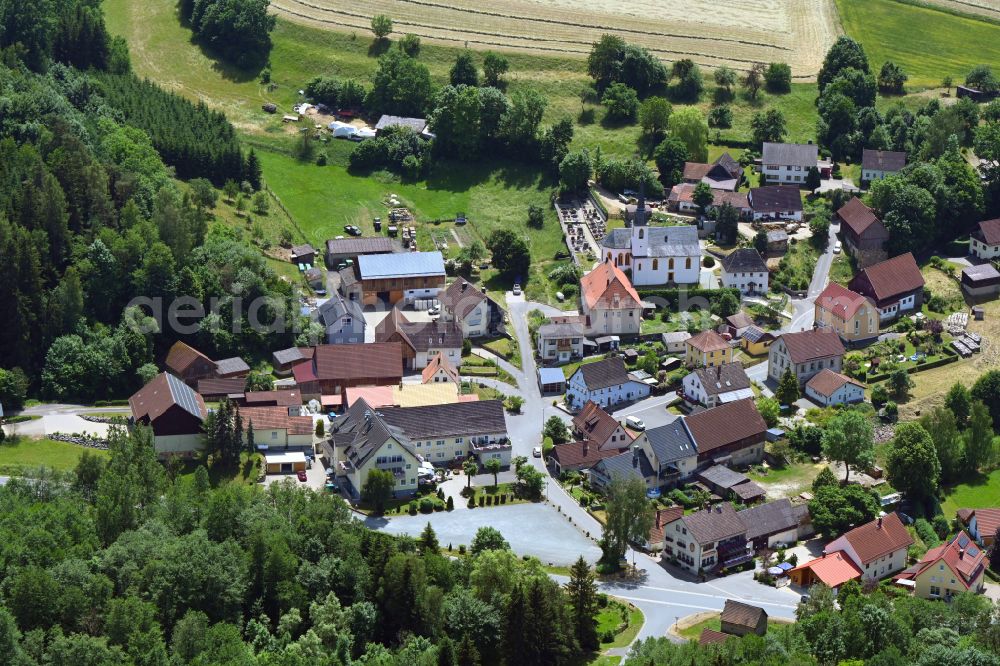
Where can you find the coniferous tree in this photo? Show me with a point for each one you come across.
(582, 591)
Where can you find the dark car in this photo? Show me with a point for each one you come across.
(301, 474)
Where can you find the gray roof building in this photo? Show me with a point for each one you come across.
(677, 241)
(790, 154)
(744, 260)
(604, 374)
(770, 518)
(671, 442)
(458, 419)
(405, 265)
(630, 464)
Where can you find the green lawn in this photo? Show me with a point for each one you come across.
(694, 631)
(928, 44)
(984, 491)
(27, 454)
(246, 473)
(610, 618)
(506, 348)
(570, 368)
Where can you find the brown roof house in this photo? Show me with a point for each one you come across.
(725, 173)
(850, 314)
(730, 434)
(596, 426)
(863, 232)
(332, 368)
(707, 349)
(877, 164)
(475, 313)
(188, 363)
(655, 541)
(877, 548)
(985, 240)
(707, 540)
(717, 385)
(606, 383)
(895, 285)
(421, 341)
(740, 619)
(578, 456)
(175, 413)
(775, 202)
(828, 388)
(440, 370)
(805, 353)
(982, 523)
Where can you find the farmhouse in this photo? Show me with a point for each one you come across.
(681, 199)
(332, 368)
(388, 279)
(716, 385)
(604, 382)
(175, 413)
(610, 302)
(420, 341)
(746, 270)
(775, 202)
(740, 619)
(707, 349)
(730, 434)
(562, 341)
(895, 285)
(877, 548)
(985, 240)
(707, 540)
(877, 164)
(806, 353)
(828, 388)
(864, 234)
(725, 173)
(343, 320)
(852, 316)
(654, 255)
(948, 570)
(476, 313)
(788, 163)
(341, 249)
(671, 451)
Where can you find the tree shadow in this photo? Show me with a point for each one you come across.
(723, 96)
(378, 47)
(587, 116)
(229, 70)
(610, 123)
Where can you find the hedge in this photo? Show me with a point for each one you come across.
(673, 296)
(949, 357)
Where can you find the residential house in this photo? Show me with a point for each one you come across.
(788, 163)
(746, 270)
(273, 426)
(877, 548)
(736, 324)
(730, 434)
(332, 368)
(725, 173)
(476, 313)
(627, 464)
(729, 484)
(985, 240)
(852, 316)
(716, 385)
(676, 342)
(561, 340)
(388, 279)
(708, 540)
(982, 524)
(776, 524)
(189, 364)
(444, 433)
(895, 285)
(610, 302)
(740, 619)
(654, 255)
(681, 200)
(863, 232)
(340, 250)
(577, 456)
(440, 370)
(343, 320)
(175, 413)
(671, 451)
(594, 425)
(707, 349)
(877, 164)
(655, 541)
(756, 341)
(420, 341)
(361, 441)
(775, 202)
(828, 388)
(303, 254)
(806, 353)
(832, 569)
(948, 570)
(981, 282)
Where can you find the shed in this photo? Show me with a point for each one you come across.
(740, 619)
(285, 463)
(303, 254)
(981, 281)
(551, 380)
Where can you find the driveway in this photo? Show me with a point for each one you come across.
(651, 411)
(531, 529)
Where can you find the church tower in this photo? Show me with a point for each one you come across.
(640, 226)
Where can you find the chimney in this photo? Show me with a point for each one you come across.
(635, 456)
(465, 285)
(657, 518)
(880, 522)
(961, 553)
(586, 448)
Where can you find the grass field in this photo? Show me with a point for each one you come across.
(26, 454)
(610, 618)
(981, 492)
(928, 44)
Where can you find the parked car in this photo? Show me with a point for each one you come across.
(635, 423)
(301, 474)
(838, 247)
(537, 452)
(517, 289)
(433, 310)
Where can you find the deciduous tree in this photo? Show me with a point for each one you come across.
(629, 517)
(912, 464)
(850, 439)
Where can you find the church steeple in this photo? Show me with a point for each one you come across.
(639, 220)
(640, 244)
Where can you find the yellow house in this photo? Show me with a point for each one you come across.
(707, 349)
(947, 570)
(851, 315)
(756, 341)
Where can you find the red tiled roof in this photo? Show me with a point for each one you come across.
(379, 360)
(663, 518)
(890, 278)
(580, 454)
(440, 362)
(695, 170)
(728, 423)
(708, 341)
(990, 231)
(962, 555)
(826, 381)
(805, 346)
(601, 286)
(856, 215)
(684, 192)
(276, 418)
(840, 301)
(163, 392)
(710, 636)
(375, 396)
(596, 424)
(987, 522)
(833, 569)
(182, 355)
(879, 537)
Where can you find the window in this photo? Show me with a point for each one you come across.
(642, 233)
(656, 264)
(670, 263)
(274, 434)
(935, 591)
(687, 263)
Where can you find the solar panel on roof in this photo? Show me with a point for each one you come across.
(962, 540)
(183, 395)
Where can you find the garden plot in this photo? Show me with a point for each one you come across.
(738, 34)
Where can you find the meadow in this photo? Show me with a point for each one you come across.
(24, 454)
